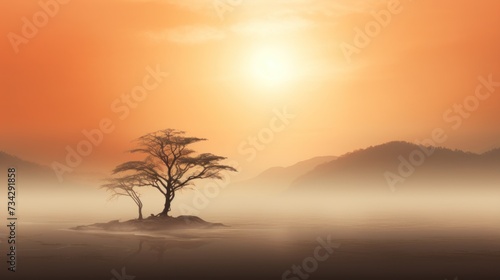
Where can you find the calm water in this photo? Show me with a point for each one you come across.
(378, 249)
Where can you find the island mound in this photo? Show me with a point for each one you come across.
(153, 223)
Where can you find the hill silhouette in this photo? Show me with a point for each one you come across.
(277, 179)
(29, 170)
(408, 166)
(36, 174)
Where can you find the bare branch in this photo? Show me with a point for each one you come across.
(168, 165)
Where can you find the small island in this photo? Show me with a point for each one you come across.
(153, 223)
(167, 165)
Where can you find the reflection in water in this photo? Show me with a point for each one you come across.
(375, 243)
(160, 245)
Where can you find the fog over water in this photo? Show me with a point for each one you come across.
(392, 235)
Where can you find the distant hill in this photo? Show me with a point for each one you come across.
(277, 179)
(38, 174)
(368, 170)
(400, 166)
(27, 169)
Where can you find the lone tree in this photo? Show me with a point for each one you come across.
(125, 186)
(169, 165)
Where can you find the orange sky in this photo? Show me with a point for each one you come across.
(66, 78)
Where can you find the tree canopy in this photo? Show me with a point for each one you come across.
(168, 164)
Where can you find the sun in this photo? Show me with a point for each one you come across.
(271, 66)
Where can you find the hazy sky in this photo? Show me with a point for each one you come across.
(231, 68)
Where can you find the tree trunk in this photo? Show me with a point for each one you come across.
(166, 208)
(140, 213)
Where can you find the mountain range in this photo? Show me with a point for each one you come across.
(393, 166)
(26, 169)
(404, 166)
(278, 179)
(397, 165)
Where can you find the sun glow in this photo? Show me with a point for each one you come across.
(271, 66)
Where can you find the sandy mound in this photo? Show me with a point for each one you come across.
(152, 223)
